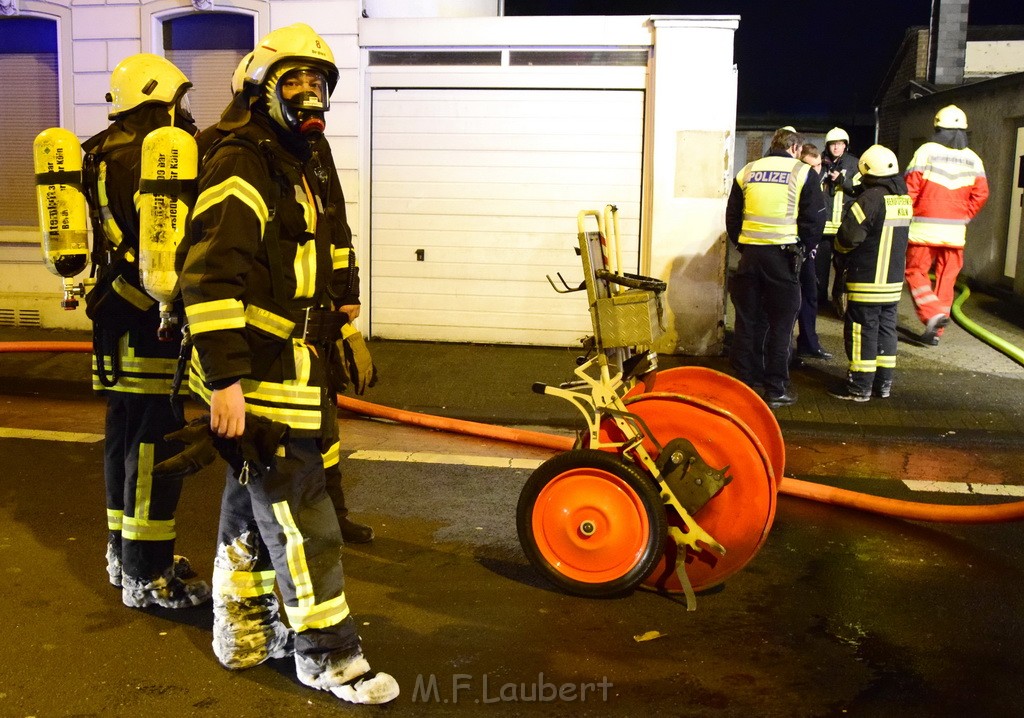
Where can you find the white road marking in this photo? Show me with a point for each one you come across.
(76, 437)
(959, 487)
(425, 457)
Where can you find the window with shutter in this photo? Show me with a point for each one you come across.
(207, 47)
(28, 105)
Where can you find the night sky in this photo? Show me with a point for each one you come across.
(806, 57)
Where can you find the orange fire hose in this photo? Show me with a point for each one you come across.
(896, 508)
(912, 510)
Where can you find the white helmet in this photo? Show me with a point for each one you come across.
(143, 79)
(951, 117)
(878, 161)
(837, 134)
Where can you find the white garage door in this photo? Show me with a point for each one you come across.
(474, 197)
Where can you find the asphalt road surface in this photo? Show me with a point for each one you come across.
(841, 613)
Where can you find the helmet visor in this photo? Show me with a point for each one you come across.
(304, 88)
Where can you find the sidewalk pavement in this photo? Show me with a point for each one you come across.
(960, 392)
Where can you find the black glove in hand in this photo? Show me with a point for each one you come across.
(256, 448)
(358, 362)
(198, 452)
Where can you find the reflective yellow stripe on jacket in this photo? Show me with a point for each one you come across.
(292, 402)
(138, 375)
(239, 189)
(898, 212)
(771, 199)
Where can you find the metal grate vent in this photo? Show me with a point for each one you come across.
(425, 57)
(29, 318)
(569, 58)
(20, 318)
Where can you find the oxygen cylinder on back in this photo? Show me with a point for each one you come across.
(170, 161)
(63, 213)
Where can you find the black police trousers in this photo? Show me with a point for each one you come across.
(765, 291)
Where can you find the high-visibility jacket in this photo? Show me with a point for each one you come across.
(948, 187)
(269, 241)
(771, 199)
(873, 236)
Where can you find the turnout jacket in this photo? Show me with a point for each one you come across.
(269, 241)
(839, 195)
(873, 236)
(949, 187)
(127, 350)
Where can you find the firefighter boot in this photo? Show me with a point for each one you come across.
(182, 566)
(248, 630)
(351, 680)
(167, 591)
(353, 532)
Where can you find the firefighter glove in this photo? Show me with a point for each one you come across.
(254, 451)
(358, 362)
(198, 452)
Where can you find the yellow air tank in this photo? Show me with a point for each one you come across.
(63, 213)
(166, 194)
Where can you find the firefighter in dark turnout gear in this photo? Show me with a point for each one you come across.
(266, 281)
(873, 241)
(773, 213)
(130, 364)
(840, 182)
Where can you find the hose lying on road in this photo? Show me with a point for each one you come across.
(939, 513)
(977, 330)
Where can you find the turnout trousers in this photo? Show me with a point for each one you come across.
(140, 509)
(947, 262)
(281, 526)
(869, 334)
(807, 341)
(765, 288)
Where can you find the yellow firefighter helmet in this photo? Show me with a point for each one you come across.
(297, 43)
(142, 79)
(878, 161)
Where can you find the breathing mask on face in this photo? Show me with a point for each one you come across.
(297, 98)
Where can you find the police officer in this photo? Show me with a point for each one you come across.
(946, 179)
(267, 286)
(131, 365)
(840, 183)
(873, 241)
(772, 214)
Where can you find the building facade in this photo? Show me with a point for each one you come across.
(467, 143)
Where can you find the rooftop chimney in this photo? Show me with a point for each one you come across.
(948, 41)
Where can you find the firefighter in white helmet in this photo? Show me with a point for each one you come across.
(947, 182)
(873, 240)
(840, 182)
(267, 287)
(131, 365)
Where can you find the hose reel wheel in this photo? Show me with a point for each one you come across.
(590, 523)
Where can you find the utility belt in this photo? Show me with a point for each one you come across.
(319, 327)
